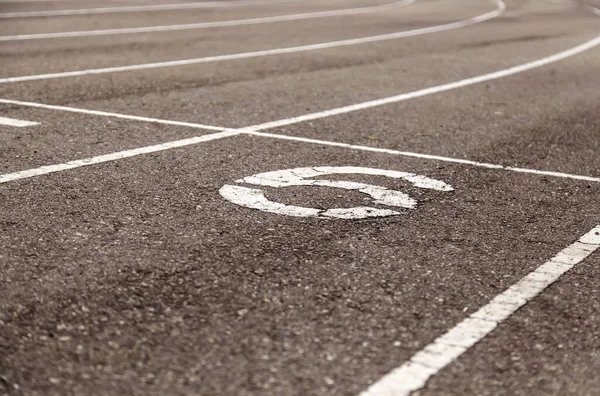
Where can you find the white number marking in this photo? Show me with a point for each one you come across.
(255, 198)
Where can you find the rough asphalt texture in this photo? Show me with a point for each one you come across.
(135, 277)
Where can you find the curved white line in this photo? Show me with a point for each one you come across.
(204, 25)
(278, 51)
(253, 130)
(436, 89)
(157, 7)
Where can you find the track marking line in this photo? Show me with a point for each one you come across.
(44, 170)
(500, 7)
(254, 130)
(16, 123)
(244, 131)
(204, 25)
(415, 373)
(423, 156)
(144, 8)
(433, 90)
(112, 115)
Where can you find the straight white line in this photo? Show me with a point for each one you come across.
(108, 114)
(44, 170)
(16, 123)
(423, 156)
(253, 130)
(278, 51)
(414, 374)
(157, 7)
(204, 25)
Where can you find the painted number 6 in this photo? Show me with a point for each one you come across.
(255, 198)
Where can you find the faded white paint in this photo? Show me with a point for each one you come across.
(16, 123)
(255, 199)
(413, 375)
(205, 25)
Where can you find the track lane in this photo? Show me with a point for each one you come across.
(500, 7)
(205, 25)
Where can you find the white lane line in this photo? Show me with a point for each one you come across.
(414, 374)
(144, 8)
(16, 123)
(109, 114)
(252, 132)
(436, 89)
(423, 156)
(204, 25)
(44, 170)
(500, 7)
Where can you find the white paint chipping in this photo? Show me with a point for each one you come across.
(500, 7)
(205, 25)
(144, 8)
(43, 170)
(255, 199)
(415, 373)
(16, 123)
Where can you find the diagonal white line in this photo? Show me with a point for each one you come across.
(44, 170)
(423, 156)
(254, 130)
(415, 373)
(500, 7)
(109, 114)
(26, 174)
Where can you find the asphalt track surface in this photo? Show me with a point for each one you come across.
(124, 271)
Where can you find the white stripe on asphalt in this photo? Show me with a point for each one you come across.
(44, 170)
(254, 130)
(204, 25)
(109, 114)
(278, 51)
(26, 174)
(16, 123)
(144, 8)
(433, 90)
(414, 374)
(423, 156)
